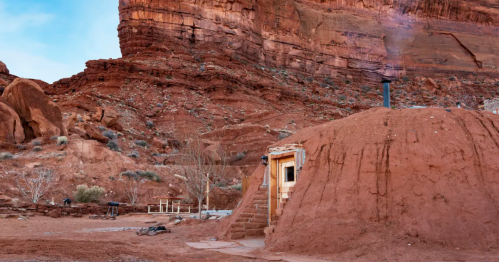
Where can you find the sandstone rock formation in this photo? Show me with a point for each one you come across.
(384, 38)
(392, 176)
(110, 116)
(39, 115)
(94, 133)
(11, 129)
(3, 68)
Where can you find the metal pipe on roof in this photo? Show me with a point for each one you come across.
(386, 92)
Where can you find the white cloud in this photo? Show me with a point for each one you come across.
(91, 34)
(15, 23)
(28, 65)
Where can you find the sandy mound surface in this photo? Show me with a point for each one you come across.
(416, 175)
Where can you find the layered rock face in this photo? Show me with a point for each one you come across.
(327, 38)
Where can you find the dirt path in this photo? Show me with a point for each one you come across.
(82, 239)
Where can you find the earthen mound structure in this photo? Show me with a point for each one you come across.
(413, 176)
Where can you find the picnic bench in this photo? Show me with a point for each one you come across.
(161, 203)
(178, 205)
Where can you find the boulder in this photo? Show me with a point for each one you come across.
(3, 83)
(69, 123)
(33, 165)
(11, 129)
(212, 152)
(158, 143)
(39, 115)
(431, 85)
(110, 116)
(4, 200)
(54, 213)
(97, 116)
(3, 68)
(94, 133)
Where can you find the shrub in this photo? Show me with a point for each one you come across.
(110, 134)
(149, 175)
(282, 136)
(141, 143)
(237, 187)
(5, 155)
(130, 175)
(84, 194)
(62, 140)
(134, 154)
(54, 137)
(36, 142)
(113, 145)
(149, 124)
(37, 149)
(240, 156)
(102, 128)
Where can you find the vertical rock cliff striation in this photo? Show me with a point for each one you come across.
(327, 37)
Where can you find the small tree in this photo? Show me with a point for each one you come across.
(132, 190)
(35, 185)
(198, 167)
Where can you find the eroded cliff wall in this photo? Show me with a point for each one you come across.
(327, 37)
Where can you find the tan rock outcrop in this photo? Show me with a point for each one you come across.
(39, 115)
(11, 129)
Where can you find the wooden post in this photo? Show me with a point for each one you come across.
(208, 191)
(161, 206)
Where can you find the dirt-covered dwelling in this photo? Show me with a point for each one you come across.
(423, 176)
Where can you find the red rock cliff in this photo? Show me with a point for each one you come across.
(327, 37)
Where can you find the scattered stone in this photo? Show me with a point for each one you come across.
(33, 165)
(94, 133)
(152, 231)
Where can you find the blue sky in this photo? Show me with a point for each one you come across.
(52, 39)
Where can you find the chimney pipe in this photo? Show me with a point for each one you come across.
(386, 92)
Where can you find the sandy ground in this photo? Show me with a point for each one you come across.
(83, 239)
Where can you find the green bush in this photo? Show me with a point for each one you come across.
(141, 143)
(62, 140)
(84, 194)
(237, 187)
(113, 145)
(5, 155)
(151, 175)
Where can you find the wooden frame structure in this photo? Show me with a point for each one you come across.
(167, 204)
(278, 188)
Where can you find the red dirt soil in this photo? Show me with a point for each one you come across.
(385, 178)
(70, 239)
